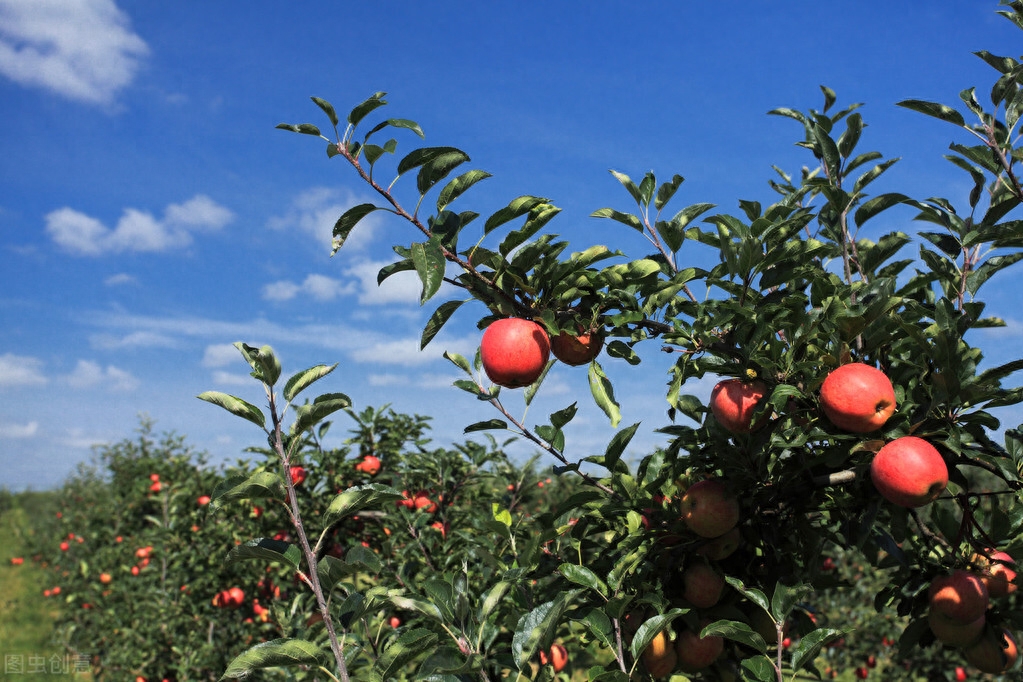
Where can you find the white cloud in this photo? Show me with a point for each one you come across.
(84, 50)
(19, 430)
(223, 378)
(394, 352)
(418, 379)
(140, 339)
(20, 370)
(220, 354)
(315, 211)
(401, 287)
(119, 279)
(136, 230)
(320, 287)
(88, 374)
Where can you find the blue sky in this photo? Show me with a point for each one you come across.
(151, 215)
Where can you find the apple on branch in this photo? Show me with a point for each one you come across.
(909, 472)
(858, 398)
(514, 352)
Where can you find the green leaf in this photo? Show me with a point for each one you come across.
(428, 258)
(760, 668)
(623, 218)
(934, 109)
(736, 631)
(459, 361)
(667, 190)
(268, 550)
(262, 484)
(457, 186)
(785, 599)
(343, 226)
(628, 184)
(299, 382)
(397, 123)
(562, 417)
(617, 446)
(277, 653)
(360, 558)
(603, 393)
(359, 112)
(517, 207)
(536, 628)
(424, 155)
(310, 414)
(357, 498)
(988, 268)
(235, 406)
(440, 316)
(486, 425)
(649, 629)
(751, 593)
(303, 128)
(408, 646)
(265, 365)
(876, 205)
(437, 168)
(580, 575)
(810, 645)
(847, 141)
(493, 597)
(327, 109)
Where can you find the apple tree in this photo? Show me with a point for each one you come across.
(896, 462)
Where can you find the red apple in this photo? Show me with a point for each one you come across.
(954, 632)
(722, 547)
(369, 465)
(862, 673)
(995, 652)
(203, 500)
(17, 561)
(577, 350)
(559, 657)
(696, 653)
(960, 674)
(960, 596)
(156, 487)
(514, 352)
(733, 402)
(64, 546)
(858, 398)
(702, 585)
(105, 578)
(421, 501)
(997, 577)
(297, 474)
(394, 622)
(909, 472)
(709, 509)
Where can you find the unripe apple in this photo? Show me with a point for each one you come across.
(702, 585)
(733, 402)
(577, 350)
(909, 472)
(514, 352)
(695, 653)
(995, 652)
(954, 632)
(858, 398)
(709, 509)
(960, 596)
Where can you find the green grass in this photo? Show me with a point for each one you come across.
(27, 617)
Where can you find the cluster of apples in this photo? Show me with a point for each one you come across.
(230, 598)
(958, 608)
(515, 350)
(858, 398)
